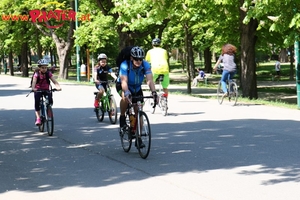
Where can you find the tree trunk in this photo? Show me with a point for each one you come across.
(24, 59)
(248, 66)
(39, 46)
(189, 56)
(10, 65)
(207, 60)
(292, 69)
(63, 49)
(63, 62)
(124, 38)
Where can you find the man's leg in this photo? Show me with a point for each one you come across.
(165, 83)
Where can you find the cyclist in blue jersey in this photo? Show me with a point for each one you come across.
(131, 77)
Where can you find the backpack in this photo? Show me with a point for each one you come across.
(124, 54)
(38, 78)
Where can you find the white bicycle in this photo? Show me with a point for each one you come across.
(162, 102)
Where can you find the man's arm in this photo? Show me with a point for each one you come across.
(124, 84)
(150, 83)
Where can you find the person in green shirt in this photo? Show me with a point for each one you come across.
(159, 60)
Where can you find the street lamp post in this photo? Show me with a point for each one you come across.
(77, 46)
(297, 58)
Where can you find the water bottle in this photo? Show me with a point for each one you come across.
(132, 120)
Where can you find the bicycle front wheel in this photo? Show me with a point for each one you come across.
(42, 126)
(112, 112)
(50, 120)
(126, 138)
(99, 113)
(220, 93)
(143, 131)
(233, 94)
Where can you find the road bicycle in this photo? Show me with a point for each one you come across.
(47, 117)
(137, 128)
(107, 104)
(232, 93)
(163, 101)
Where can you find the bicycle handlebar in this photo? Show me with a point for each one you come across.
(51, 90)
(109, 81)
(140, 97)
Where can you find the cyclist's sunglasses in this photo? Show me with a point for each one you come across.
(138, 59)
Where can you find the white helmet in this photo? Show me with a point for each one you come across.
(102, 56)
(42, 62)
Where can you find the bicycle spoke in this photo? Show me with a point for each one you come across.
(144, 133)
(220, 93)
(233, 94)
(50, 120)
(126, 139)
(99, 113)
(41, 127)
(164, 105)
(113, 112)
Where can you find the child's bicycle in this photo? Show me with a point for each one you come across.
(232, 93)
(162, 102)
(46, 112)
(107, 104)
(136, 128)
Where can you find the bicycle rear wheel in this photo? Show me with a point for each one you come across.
(220, 93)
(50, 120)
(233, 94)
(144, 133)
(163, 105)
(150, 105)
(112, 112)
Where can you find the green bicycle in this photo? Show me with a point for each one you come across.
(107, 104)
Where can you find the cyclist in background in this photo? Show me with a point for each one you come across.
(41, 81)
(101, 71)
(229, 70)
(130, 81)
(159, 60)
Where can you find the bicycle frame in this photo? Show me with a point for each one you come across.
(232, 92)
(46, 111)
(105, 105)
(105, 99)
(141, 129)
(162, 103)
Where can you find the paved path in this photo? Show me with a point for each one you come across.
(200, 151)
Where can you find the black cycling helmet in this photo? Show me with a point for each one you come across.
(42, 62)
(102, 56)
(156, 42)
(137, 52)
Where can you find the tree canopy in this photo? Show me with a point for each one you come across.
(192, 26)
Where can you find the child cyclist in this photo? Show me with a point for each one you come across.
(100, 75)
(41, 81)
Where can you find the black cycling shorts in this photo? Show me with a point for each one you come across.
(134, 100)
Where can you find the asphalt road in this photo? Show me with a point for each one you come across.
(200, 151)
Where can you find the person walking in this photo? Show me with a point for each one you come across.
(277, 69)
